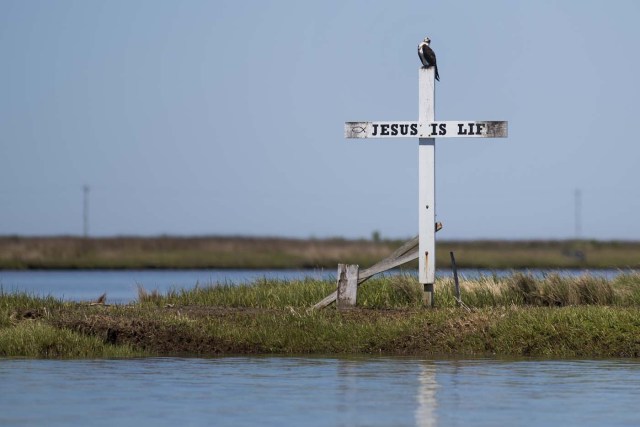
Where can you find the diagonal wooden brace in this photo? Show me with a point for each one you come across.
(405, 253)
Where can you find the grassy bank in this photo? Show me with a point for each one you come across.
(238, 252)
(515, 316)
(27, 330)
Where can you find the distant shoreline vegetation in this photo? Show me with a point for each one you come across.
(168, 252)
(515, 316)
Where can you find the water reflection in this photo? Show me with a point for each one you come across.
(347, 395)
(277, 391)
(427, 404)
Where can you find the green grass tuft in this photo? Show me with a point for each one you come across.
(403, 291)
(38, 340)
(519, 315)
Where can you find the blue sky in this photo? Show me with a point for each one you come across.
(226, 117)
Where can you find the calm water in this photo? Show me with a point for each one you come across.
(121, 286)
(279, 391)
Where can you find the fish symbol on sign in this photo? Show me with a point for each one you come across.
(358, 129)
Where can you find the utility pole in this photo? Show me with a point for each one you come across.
(578, 212)
(85, 211)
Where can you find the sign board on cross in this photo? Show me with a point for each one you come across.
(426, 129)
(464, 129)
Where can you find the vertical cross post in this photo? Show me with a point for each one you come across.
(427, 186)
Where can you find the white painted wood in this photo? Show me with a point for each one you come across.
(426, 95)
(426, 181)
(431, 129)
(388, 265)
(426, 129)
(405, 253)
(463, 129)
(347, 285)
(388, 129)
(364, 275)
(426, 209)
(370, 272)
(325, 301)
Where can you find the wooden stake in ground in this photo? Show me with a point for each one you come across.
(402, 255)
(347, 285)
(426, 129)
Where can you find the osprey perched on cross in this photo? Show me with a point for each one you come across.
(428, 56)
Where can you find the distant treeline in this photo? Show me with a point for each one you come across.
(168, 252)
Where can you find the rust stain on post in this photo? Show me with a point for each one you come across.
(428, 287)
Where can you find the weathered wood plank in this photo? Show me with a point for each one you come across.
(325, 301)
(405, 253)
(429, 129)
(347, 286)
(402, 250)
(387, 129)
(370, 272)
(387, 264)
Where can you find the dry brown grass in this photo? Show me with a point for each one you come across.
(251, 252)
(186, 252)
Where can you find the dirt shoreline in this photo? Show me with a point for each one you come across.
(185, 331)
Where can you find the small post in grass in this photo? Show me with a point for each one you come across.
(454, 267)
(347, 286)
(455, 278)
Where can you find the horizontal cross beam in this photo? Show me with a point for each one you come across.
(447, 129)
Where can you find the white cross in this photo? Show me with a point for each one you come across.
(426, 129)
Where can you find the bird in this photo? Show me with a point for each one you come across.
(428, 56)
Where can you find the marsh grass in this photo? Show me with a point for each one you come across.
(556, 290)
(404, 291)
(519, 315)
(145, 296)
(186, 252)
(328, 332)
(25, 331)
(31, 305)
(245, 252)
(264, 293)
(398, 291)
(39, 340)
